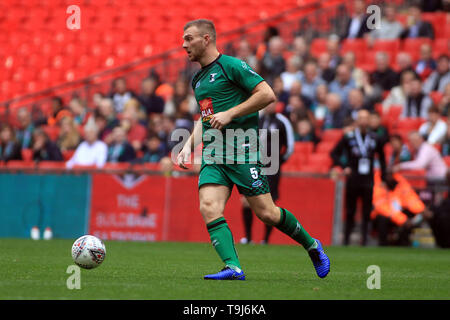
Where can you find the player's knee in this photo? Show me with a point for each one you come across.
(270, 217)
(210, 210)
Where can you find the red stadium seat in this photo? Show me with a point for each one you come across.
(320, 159)
(27, 155)
(437, 20)
(303, 147)
(52, 132)
(36, 41)
(318, 46)
(51, 165)
(409, 124)
(299, 158)
(391, 46)
(67, 154)
(332, 135)
(436, 96)
(447, 161)
(325, 147)
(379, 108)
(395, 111)
(18, 164)
(152, 166)
(441, 46)
(413, 44)
(354, 45)
(314, 168)
(291, 165)
(117, 166)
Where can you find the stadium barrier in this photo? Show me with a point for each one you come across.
(58, 201)
(148, 207)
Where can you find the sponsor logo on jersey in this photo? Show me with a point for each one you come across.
(206, 109)
(212, 77)
(197, 85)
(257, 184)
(246, 67)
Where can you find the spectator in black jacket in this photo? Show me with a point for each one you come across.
(120, 149)
(432, 5)
(9, 147)
(356, 103)
(426, 64)
(360, 147)
(417, 27)
(281, 94)
(151, 102)
(357, 24)
(439, 78)
(154, 150)
(24, 133)
(383, 75)
(273, 62)
(326, 72)
(336, 112)
(417, 102)
(43, 148)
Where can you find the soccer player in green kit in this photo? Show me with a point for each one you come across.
(230, 94)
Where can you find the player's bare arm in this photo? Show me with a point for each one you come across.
(262, 96)
(190, 145)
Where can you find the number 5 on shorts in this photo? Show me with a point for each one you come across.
(254, 173)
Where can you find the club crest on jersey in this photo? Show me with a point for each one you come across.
(212, 77)
(197, 85)
(206, 109)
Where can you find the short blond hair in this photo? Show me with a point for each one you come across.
(205, 26)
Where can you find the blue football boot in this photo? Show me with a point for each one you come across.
(320, 260)
(226, 274)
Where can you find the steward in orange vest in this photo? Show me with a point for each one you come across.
(394, 203)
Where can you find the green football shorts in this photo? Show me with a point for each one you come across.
(248, 178)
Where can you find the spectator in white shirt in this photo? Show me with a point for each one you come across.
(426, 158)
(292, 73)
(390, 28)
(91, 152)
(434, 130)
(398, 94)
(120, 94)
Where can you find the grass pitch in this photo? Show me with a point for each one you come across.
(137, 270)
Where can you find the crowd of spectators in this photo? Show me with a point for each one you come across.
(315, 93)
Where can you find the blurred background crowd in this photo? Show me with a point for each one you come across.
(320, 85)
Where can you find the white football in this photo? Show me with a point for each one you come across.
(88, 252)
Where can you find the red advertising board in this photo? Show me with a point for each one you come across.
(127, 207)
(157, 208)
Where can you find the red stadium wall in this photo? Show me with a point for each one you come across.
(158, 208)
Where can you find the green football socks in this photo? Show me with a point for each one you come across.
(222, 240)
(289, 225)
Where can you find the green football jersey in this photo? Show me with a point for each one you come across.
(219, 86)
